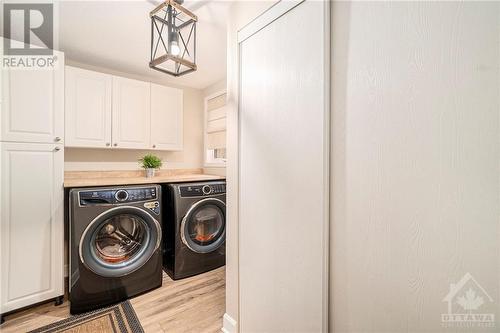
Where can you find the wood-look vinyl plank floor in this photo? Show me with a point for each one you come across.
(195, 304)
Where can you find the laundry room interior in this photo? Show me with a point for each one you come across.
(140, 150)
(252, 166)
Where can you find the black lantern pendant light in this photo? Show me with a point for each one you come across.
(173, 38)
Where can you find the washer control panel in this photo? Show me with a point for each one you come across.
(200, 190)
(114, 196)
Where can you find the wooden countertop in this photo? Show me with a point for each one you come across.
(135, 177)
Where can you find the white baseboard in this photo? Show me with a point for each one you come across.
(229, 325)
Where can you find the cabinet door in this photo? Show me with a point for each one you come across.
(33, 104)
(131, 113)
(166, 118)
(32, 225)
(88, 108)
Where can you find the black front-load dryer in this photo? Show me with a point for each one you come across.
(115, 244)
(194, 228)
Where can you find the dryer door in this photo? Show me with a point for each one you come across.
(119, 241)
(203, 228)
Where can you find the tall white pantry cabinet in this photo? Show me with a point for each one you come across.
(32, 192)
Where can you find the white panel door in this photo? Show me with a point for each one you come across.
(131, 113)
(283, 190)
(88, 108)
(166, 118)
(32, 225)
(33, 104)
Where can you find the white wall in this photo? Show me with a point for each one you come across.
(215, 88)
(219, 171)
(415, 156)
(125, 159)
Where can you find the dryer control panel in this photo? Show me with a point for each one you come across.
(116, 196)
(200, 190)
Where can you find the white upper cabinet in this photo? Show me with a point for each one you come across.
(166, 118)
(106, 111)
(131, 113)
(33, 104)
(88, 108)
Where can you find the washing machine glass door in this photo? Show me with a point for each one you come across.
(119, 241)
(203, 228)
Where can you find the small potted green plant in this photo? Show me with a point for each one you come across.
(150, 163)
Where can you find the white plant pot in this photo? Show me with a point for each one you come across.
(150, 173)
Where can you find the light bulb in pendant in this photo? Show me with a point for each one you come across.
(174, 44)
(175, 49)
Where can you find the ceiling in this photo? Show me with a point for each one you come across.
(116, 35)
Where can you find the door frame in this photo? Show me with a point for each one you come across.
(280, 8)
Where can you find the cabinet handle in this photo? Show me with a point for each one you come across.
(154, 146)
(115, 144)
(57, 139)
(57, 149)
(108, 144)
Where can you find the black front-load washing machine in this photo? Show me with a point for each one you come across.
(194, 228)
(115, 244)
